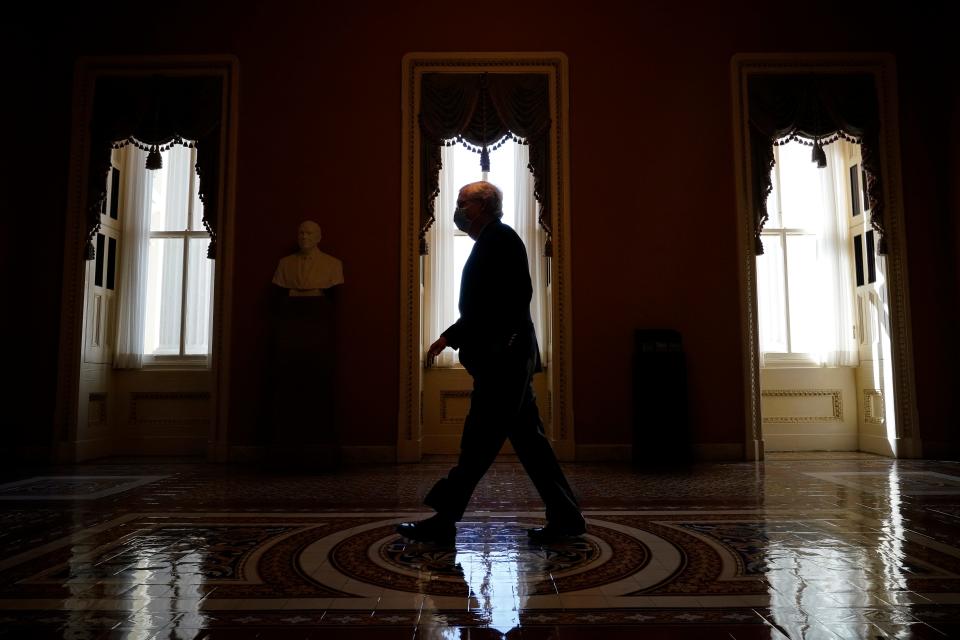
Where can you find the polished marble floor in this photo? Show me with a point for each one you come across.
(799, 546)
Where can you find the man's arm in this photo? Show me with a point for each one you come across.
(454, 334)
(435, 350)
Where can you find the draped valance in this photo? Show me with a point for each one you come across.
(156, 112)
(820, 109)
(482, 110)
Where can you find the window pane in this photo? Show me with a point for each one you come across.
(196, 222)
(858, 258)
(164, 287)
(502, 174)
(805, 307)
(800, 198)
(199, 286)
(98, 270)
(855, 190)
(771, 296)
(171, 186)
(466, 169)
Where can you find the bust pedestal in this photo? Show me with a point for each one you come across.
(302, 432)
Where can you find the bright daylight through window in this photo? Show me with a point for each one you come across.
(804, 286)
(180, 277)
(450, 248)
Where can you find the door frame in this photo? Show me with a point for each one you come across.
(87, 70)
(882, 67)
(560, 426)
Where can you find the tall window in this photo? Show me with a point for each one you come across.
(804, 285)
(450, 247)
(165, 278)
(180, 277)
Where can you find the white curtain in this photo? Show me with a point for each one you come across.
(177, 166)
(839, 348)
(135, 199)
(533, 236)
(442, 270)
(440, 301)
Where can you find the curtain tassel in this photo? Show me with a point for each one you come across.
(818, 155)
(484, 159)
(154, 160)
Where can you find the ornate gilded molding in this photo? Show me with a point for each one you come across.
(874, 411)
(835, 396)
(97, 410)
(445, 397)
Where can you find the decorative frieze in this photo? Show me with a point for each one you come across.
(807, 396)
(874, 411)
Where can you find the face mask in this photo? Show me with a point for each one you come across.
(461, 220)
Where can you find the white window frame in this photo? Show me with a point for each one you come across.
(182, 360)
(532, 245)
(790, 358)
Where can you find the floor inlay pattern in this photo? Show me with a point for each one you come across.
(72, 487)
(830, 548)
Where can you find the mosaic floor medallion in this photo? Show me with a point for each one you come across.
(380, 557)
(860, 549)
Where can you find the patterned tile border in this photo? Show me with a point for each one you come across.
(72, 487)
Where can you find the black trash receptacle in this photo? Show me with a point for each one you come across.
(661, 425)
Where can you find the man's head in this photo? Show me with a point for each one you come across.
(308, 235)
(481, 202)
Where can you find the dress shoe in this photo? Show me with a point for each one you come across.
(433, 529)
(555, 533)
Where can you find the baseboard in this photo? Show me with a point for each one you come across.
(604, 452)
(171, 446)
(720, 451)
(441, 444)
(357, 454)
(244, 453)
(29, 455)
(92, 449)
(350, 454)
(938, 450)
(706, 451)
(810, 442)
(876, 444)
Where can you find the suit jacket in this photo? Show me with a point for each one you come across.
(495, 328)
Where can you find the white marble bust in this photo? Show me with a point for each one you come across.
(308, 271)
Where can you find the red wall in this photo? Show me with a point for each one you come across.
(653, 202)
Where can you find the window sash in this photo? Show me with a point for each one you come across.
(191, 231)
(790, 357)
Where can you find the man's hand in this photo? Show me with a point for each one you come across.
(435, 350)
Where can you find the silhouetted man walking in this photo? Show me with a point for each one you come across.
(498, 347)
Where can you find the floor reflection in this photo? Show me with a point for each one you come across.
(790, 548)
(844, 576)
